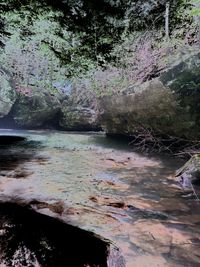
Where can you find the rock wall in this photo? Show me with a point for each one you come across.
(35, 110)
(7, 92)
(76, 117)
(169, 105)
(30, 108)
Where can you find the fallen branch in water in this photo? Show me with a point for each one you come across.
(147, 140)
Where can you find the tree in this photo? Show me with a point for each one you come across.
(167, 21)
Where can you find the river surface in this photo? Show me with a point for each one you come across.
(103, 186)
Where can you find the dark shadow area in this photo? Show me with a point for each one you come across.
(14, 152)
(113, 142)
(7, 122)
(156, 144)
(11, 158)
(31, 239)
(10, 139)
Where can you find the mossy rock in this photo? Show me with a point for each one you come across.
(152, 106)
(36, 110)
(7, 92)
(167, 105)
(183, 79)
(78, 118)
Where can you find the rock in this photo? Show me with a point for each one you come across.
(190, 172)
(32, 239)
(76, 117)
(152, 237)
(79, 111)
(168, 105)
(115, 258)
(147, 214)
(150, 105)
(7, 92)
(36, 109)
(161, 239)
(183, 79)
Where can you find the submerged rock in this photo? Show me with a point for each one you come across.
(36, 109)
(7, 93)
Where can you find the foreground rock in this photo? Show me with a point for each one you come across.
(167, 105)
(7, 93)
(31, 239)
(35, 109)
(190, 172)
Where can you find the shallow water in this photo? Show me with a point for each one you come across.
(103, 186)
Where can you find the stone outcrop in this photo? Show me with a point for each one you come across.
(168, 105)
(36, 109)
(32, 239)
(7, 93)
(79, 113)
(78, 118)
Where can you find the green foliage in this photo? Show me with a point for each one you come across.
(57, 40)
(32, 49)
(195, 11)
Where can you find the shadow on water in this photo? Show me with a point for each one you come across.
(15, 150)
(28, 238)
(10, 139)
(104, 141)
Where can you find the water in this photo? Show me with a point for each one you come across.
(101, 185)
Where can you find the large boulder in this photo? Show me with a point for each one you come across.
(168, 105)
(7, 93)
(79, 112)
(78, 118)
(183, 79)
(36, 109)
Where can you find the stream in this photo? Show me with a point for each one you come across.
(102, 186)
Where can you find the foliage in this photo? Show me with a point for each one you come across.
(196, 9)
(30, 51)
(110, 41)
(99, 23)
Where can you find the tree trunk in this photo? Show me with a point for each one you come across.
(167, 21)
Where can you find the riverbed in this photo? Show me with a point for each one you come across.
(101, 185)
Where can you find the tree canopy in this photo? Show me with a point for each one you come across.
(67, 37)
